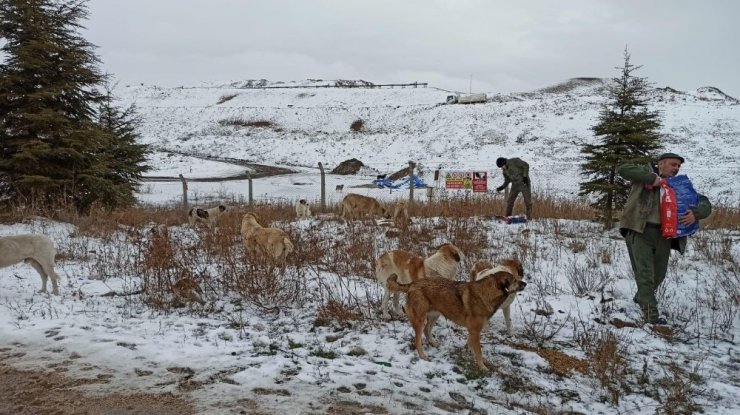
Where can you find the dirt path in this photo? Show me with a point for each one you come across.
(259, 170)
(35, 392)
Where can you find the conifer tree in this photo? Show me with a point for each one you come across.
(627, 131)
(124, 157)
(53, 149)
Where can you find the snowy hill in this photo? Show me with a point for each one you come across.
(309, 122)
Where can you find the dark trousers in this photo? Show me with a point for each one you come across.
(517, 188)
(649, 253)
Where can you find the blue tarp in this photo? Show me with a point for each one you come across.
(399, 184)
(686, 198)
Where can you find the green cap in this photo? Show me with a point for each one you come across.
(670, 156)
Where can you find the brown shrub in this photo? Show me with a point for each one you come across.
(237, 122)
(334, 311)
(608, 362)
(357, 125)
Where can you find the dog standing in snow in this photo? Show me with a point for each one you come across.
(207, 216)
(35, 250)
(302, 209)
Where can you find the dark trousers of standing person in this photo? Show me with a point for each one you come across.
(517, 188)
(649, 253)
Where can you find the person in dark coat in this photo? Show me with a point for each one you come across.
(516, 172)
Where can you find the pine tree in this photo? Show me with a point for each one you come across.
(125, 158)
(627, 132)
(54, 151)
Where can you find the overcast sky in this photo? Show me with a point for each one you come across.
(505, 46)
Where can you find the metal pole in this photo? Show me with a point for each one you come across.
(184, 192)
(249, 179)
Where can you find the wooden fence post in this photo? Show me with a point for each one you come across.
(430, 190)
(323, 187)
(249, 179)
(411, 181)
(184, 192)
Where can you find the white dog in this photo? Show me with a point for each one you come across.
(410, 267)
(302, 209)
(207, 216)
(35, 250)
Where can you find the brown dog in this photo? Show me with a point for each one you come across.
(514, 267)
(468, 304)
(356, 206)
(411, 267)
(187, 290)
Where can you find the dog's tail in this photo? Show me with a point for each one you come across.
(395, 287)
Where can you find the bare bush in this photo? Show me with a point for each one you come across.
(585, 280)
(609, 364)
(541, 329)
(357, 125)
(238, 122)
(679, 391)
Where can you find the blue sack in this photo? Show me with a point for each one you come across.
(686, 198)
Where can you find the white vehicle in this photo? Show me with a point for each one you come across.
(466, 99)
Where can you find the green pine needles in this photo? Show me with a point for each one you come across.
(63, 143)
(627, 132)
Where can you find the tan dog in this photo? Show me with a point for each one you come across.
(35, 250)
(358, 206)
(411, 267)
(483, 268)
(469, 304)
(272, 243)
(401, 210)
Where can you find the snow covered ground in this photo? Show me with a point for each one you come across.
(284, 363)
(304, 126)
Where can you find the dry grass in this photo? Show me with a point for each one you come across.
(152, 244)
(238, 122)
(336, 312)
(609, 364)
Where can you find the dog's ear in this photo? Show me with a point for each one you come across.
(456, 256)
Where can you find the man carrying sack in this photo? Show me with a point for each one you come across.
(645, 220)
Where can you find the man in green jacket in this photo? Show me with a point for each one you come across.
(641, 228)
(516, 172)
